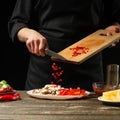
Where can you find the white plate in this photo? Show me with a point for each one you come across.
(108, 101)
(56, 97)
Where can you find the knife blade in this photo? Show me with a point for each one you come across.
(54, 54)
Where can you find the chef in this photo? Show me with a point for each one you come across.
(56, 24)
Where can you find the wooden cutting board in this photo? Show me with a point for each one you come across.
(87, 47)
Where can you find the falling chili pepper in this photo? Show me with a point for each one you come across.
(57, 73)
(54, 67)
(58, 81)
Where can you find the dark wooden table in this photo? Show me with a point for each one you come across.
(29, 108)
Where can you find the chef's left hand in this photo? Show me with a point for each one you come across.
(113, 28)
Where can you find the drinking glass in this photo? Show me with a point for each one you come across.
(112, 76)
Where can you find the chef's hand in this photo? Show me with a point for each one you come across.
(113, 28)
(35, 42)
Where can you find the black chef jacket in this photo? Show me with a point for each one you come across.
(63, 22)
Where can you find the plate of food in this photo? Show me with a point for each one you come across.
(108, 101)
(111, 97)
(56, 92)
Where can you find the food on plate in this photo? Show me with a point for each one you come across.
(53, 89)
(113, 95)
(72, 91)
(5, 87)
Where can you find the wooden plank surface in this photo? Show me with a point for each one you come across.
(29, 108)
(95, 43)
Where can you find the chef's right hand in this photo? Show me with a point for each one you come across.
(35, 42)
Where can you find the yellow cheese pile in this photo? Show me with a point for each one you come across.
(113, 95)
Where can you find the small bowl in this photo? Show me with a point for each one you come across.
(99, 88)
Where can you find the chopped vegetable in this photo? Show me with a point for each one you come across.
(72, 91)
(78, 50)
(56, 74)
(5, 87)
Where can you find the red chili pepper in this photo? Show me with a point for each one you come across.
(5, 90)
(10, 97)
(2, 90)
(17, 96)
(10, 89)
(54, 66)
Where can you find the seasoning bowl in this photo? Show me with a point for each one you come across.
(99, 88)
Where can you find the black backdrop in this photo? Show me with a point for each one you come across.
(14, 59)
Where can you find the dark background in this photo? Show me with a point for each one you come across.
(14, 58)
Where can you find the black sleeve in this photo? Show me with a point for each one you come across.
(21, 16)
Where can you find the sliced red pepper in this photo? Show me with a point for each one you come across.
(71, 91)
(57, 73)
(63, 92)
(79, 50)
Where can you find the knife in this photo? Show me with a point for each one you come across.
(54, 54)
